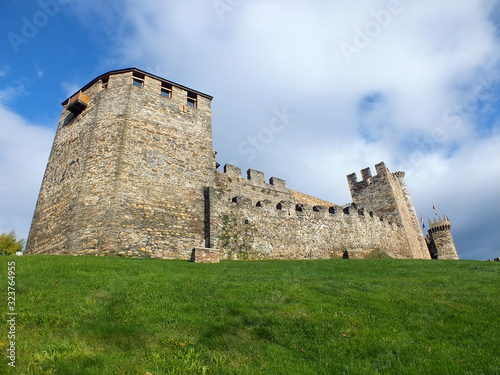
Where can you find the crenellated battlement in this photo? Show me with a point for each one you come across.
(232, 171)
(439, 225)
(254, 176)
(366, 176)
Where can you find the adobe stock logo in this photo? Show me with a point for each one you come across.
(265, 136)
(372, 29)
(31, 26)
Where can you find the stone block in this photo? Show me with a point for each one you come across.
(277, 182)
(232, 171)
(256, 176)
(204, 255)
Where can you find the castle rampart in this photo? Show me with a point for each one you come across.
(132, 172)
(255, 220)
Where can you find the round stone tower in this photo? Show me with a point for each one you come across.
(440, 241)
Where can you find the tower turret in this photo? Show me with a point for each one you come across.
(440, 240)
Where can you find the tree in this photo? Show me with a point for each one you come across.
(9, 244)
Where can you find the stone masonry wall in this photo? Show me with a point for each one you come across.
(444, 245)
(387, 195)
(126, 176)
(410, 219)
(79, 149)
(255, 220)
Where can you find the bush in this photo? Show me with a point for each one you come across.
(9, 244)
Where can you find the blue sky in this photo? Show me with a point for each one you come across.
(412, 83)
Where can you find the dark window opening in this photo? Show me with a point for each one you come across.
(192, 99)
(105, 81)
(331, 210)
(299, 207)
(138, 75)
(137, 82)
(166, 90)
(166, 93)
(137, 79)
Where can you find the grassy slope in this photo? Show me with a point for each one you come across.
(84, 315)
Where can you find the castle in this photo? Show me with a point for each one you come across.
(132, 172)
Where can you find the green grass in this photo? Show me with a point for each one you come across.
(88, 315)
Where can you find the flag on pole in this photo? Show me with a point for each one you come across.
(421, 219)
(433, 207)
(423, 226)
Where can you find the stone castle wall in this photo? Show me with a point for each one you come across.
(134, 174)
(254, 220)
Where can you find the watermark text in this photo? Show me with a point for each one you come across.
(11, 314)
(265, 136)
(372, 29)
(31, 25)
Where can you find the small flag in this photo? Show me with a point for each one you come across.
(423, 226)
(433, 207)
(421, 219)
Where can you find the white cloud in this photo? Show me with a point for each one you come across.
(464, 188)
(11, 93)
(24, 150)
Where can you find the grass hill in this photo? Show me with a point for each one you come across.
(89, 315)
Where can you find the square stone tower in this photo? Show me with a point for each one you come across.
(130, 160)
(387, 195)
